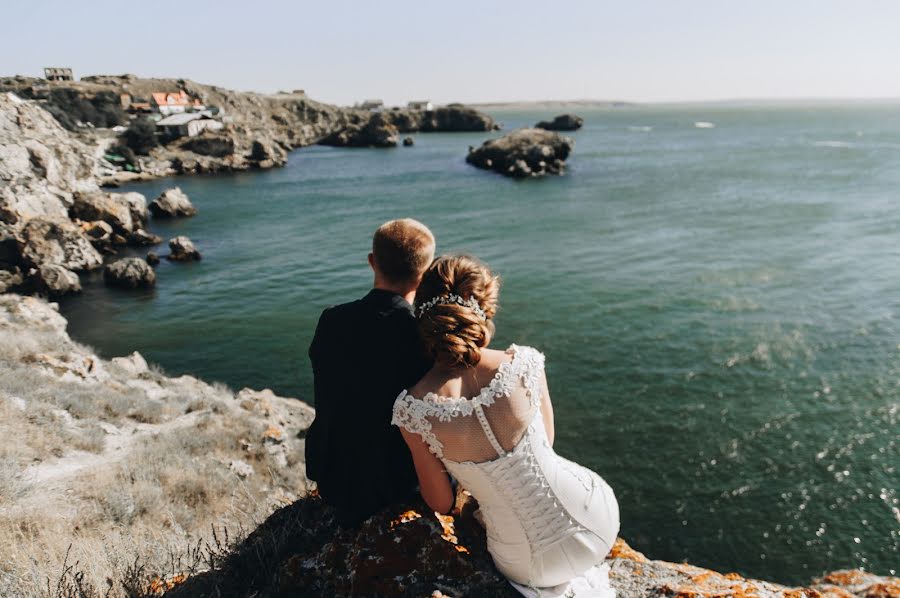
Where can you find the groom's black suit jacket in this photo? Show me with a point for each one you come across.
(363, 354)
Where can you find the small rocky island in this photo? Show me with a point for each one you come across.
(563, 122)
(524, 153)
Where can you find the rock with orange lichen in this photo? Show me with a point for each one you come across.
(409, 551)
(854, 583)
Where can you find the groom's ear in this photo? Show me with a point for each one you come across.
(372, 260)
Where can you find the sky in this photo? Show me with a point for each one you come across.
(474, 51)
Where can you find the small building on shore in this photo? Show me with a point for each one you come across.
(187, 124)
(55, 73)
(424, 105)
(372, 105)
(174, 103)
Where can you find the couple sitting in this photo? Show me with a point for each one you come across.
(480, 415)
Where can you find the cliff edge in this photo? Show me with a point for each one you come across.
(409, 551)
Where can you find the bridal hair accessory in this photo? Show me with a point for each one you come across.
(452, 298)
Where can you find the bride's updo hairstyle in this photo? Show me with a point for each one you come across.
(455, 305)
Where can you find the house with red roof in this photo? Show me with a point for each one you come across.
(175, 102)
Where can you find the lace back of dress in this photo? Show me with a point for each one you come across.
(486, 426)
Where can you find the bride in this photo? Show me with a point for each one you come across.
(484, 416)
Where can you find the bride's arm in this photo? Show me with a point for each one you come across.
(546, 408)
(434, 483)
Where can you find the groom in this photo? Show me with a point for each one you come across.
(363, 354)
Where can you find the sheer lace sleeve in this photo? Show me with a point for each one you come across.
(411, 414)
(530, 366)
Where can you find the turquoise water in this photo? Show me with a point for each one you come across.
(718, 306)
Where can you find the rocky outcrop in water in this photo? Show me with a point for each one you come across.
(523, 153)
(450, 118)
(140, 238)
(378, 131)
(563, 122)
(182, 249)
(172, 203)
(129, 273)
(54, 280)
(112, 208)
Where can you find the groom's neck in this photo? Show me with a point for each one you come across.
(409, 294)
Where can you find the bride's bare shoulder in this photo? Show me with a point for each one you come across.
(493, 358)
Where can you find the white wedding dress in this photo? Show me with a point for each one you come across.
(550, 522)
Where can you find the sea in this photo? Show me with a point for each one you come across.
(716, 288)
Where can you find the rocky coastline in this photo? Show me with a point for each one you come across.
(56, 220)
(259, 129)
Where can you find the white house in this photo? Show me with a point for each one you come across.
(187, 123)
(53, 73)
(424, 105)
(373, 105)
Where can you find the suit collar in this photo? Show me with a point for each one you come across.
(385, 298)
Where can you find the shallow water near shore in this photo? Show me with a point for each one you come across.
(718, 307)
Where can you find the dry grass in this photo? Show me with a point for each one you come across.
(108, 476)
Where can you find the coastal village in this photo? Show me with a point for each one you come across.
(179, 114)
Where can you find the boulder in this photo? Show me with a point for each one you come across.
(210, 143)
(99, 232)
(41, 164)
(140, 238)
(54, 280)
(563, 122)
(57, 241)
(134, 364)
(111, 208)
(182, 250)
(152, 259)
(457, 117)
(137, 203)
(129, 272)
(172, 203)
(408, 141)
(11, 280)
(523, 153)
(377, 132)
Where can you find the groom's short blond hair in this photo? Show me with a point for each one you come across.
(403, 249)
